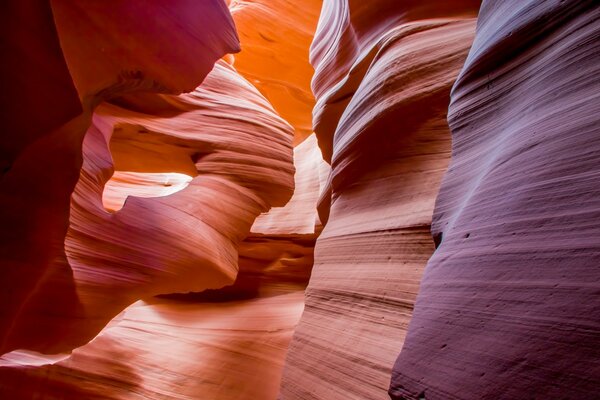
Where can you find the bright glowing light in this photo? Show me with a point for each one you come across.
(141, 184)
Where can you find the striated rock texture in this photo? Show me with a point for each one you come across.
(509, 303)
(76, 56)
(223, 344)
(299, 216)
(228, 343)
(240, 155)
(168, 189)
(173, 349)
(384, 71)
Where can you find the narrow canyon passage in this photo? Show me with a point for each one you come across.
(323, 199)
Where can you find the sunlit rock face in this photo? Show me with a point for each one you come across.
(241, 152)
(228, 343)
(163, 200)
(141, 184)
(173, 349)
(275, 36)
(383, 76)
(509, 303)
(299, 216)
(168, 189)
(180, 243)
(76, 56)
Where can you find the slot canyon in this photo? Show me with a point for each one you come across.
(300, 200)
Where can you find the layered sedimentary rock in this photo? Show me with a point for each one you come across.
(508, 306)
(275, 36)
(240, 155)
(170, 185)
(57, 47)
(382, 86)
(222, 344)
(299, 216)
(228, 343)
(123, 184)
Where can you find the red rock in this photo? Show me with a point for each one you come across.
(168, 244)
(299, 215)
(221, 344)
(146, 237)
(45, 160)
(128, 241)
(382, 90)
(122, 46)
(141, 184)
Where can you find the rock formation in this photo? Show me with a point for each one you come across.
(85, 54)
(164, 198)
(382, 91)
(230, 154)
(509, 303)
(209, 343)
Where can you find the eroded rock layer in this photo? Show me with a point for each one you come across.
(222, 344)
(227, 343)
(509, 303)
(240, 152)
(76, 56)
(190, 174)
(382, 87)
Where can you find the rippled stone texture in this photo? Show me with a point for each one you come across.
(41, 166)
(509, 303)
(221, 153)
(227, 343)
(383, 77)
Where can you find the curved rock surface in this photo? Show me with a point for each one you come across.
(275, 36)
(223, 344)
(382, 87)
(147, 241)
(190, 174)
(241, 153)
(141, 184)
(227, 343)
(508, 306)
(40, 167)
(299, 215)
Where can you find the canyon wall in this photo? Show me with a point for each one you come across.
(76, 56)
(155, 244)
(221, 155)
(383, 73)
(509, 303)
(226, 343)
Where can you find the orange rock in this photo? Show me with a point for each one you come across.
(275, 36)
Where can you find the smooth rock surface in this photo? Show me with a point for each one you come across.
(170, 186)
(241, 155)
(382, 87)
(299, 215)
(227, 343)
(74, 55)
(509, 303)
(275, 36)
(223, 344)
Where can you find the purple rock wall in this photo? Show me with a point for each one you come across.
(509, 306)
